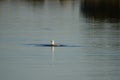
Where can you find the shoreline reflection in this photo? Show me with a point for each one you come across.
(101, 11)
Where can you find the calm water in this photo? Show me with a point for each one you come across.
(30, 22)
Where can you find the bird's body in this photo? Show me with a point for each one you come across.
(53, 43)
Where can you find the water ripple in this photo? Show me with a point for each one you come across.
(49, 45)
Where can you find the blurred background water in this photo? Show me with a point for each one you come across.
(87, 23)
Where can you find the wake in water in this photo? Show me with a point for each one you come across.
(49, 45)
(53, 44)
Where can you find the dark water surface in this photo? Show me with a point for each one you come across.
(92, 43)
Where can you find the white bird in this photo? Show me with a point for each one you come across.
(53, 43)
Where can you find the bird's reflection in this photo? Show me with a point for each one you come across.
(53, 49)
(53, 54)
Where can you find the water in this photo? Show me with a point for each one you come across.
(95, 57)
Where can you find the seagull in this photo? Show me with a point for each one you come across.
(53, 43)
